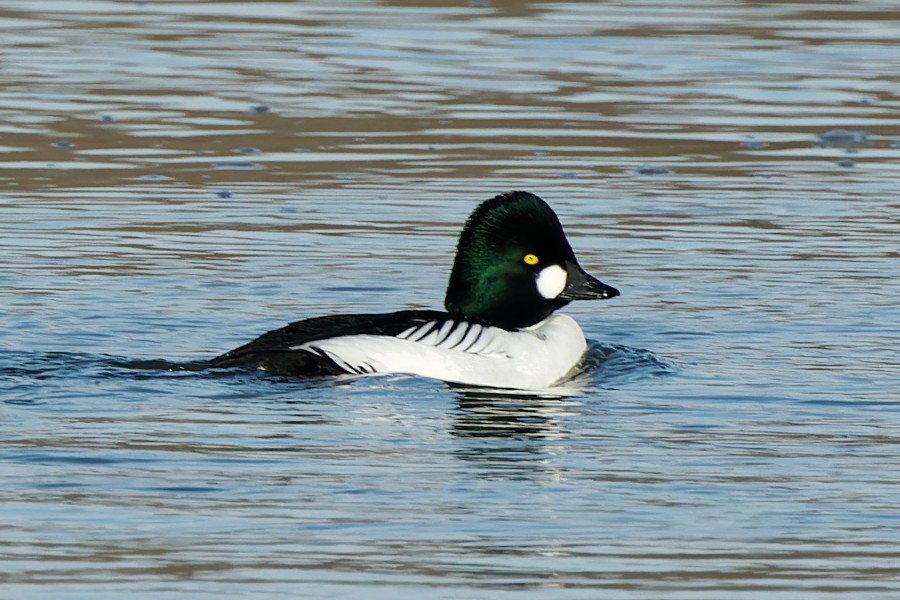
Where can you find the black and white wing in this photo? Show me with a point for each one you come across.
(293, 349)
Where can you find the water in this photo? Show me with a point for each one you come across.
(176, 178)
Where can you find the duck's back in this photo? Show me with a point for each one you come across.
(283, 351)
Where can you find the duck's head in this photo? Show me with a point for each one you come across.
(514, 265)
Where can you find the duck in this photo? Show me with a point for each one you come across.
(513, 270)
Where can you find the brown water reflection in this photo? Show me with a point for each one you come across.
(176, 177)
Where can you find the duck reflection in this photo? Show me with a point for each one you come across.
(510, 435)
(509, 414)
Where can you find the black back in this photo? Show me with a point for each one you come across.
(272, 351)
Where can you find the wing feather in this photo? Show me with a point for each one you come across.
(291, 350)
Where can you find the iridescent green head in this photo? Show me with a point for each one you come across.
(514, 265)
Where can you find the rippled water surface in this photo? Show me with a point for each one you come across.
(178, 177)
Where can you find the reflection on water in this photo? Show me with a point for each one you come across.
(487, 413)
(178, 177)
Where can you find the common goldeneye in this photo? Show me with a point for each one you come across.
(513, 268)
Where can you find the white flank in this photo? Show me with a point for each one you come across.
(532, 358)
(551, 281)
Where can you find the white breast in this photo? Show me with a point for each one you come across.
(459, 352)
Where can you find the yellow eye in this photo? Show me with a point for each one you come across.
(531, 259)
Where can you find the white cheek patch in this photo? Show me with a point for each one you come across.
(551, 281)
